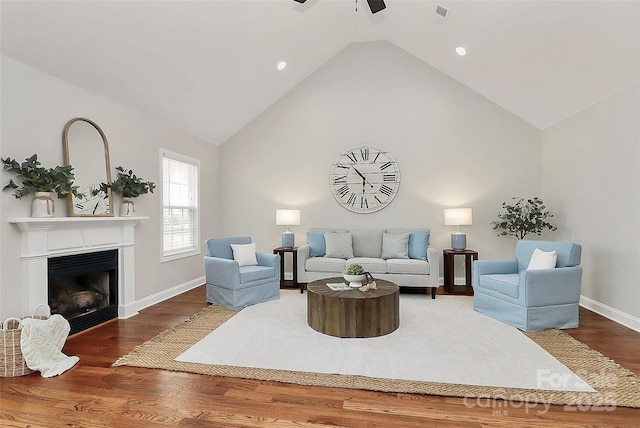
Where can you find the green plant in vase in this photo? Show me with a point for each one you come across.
(129, 186)
(355, 275)
(523, 217)
(355, 269)
(41, 181)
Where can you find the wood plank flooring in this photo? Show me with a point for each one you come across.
(94, 394)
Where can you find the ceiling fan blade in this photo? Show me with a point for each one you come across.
(375, 5)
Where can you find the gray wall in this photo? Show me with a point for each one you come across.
(590, 175)
(35, 108)
(453, 147)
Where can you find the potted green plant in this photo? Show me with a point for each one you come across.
(523, 217)
(129, 186)
(42, 182)
(355, 275)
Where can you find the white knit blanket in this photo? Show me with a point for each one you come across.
(42, 341)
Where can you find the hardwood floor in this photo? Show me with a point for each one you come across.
(93, 394)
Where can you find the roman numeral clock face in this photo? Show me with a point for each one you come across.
(364, 179)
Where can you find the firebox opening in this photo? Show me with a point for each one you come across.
(83, 288)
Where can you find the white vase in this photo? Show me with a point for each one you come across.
(42, 205)
(128, 208)
(355, 281)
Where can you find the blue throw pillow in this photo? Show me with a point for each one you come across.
(418, 243)
(317, 246)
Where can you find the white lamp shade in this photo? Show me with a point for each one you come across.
(287, 217)
(458, 216)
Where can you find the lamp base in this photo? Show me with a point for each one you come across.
(288, 239)
(458, 241)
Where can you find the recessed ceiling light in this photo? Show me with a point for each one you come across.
(281, 65)
(461, 51)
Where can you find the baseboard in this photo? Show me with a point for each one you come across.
(168, 293)
(612, 313)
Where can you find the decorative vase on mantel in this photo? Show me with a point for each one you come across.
(128, 208)
(42, 205)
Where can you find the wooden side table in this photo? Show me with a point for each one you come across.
(288, 283)
(448, 256)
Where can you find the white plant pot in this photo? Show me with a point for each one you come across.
(355, 281)
(128, 208)
(42, 205)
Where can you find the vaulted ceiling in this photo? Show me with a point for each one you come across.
(209, 67)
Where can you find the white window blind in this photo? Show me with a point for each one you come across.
(180, 215)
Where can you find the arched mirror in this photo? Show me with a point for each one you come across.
(87, 150)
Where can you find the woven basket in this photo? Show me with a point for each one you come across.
(12, 362)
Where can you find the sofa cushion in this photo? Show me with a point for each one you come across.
(325, 264)
(395, 246)
(370, 264)
(501, 283)
(367, 242)
(338, 245)
(418, 243)
(317, 246)
(408, 266)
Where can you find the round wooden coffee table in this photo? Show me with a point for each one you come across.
(353, 313)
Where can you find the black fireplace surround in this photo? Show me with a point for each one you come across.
(83, 288)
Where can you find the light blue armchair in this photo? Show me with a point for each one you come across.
(530, 300)
(233, 286)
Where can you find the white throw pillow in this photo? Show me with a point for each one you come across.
(338, 245)
(245, 254)
(542, 259)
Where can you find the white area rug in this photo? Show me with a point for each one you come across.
(442, 340)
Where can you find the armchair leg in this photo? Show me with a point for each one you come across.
(433, 292)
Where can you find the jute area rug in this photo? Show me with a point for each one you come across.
(614, 385)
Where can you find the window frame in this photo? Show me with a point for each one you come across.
(194, 250)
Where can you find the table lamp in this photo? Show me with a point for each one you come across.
(458, 217)
(287, 218)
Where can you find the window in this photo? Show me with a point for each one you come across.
(180, 200)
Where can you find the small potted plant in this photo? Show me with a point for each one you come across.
(129, 186)
(355, 275)
(42, 182)
(523, 217)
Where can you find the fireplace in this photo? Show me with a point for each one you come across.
(83, 288)
(58, 237)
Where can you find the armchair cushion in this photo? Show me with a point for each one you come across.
(504, 283)
(255, 273)
(245, 254)
(542, 259)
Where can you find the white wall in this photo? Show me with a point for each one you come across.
(35, 108)
(453, 146)
(590, 173)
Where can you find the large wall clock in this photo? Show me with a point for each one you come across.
(364, 179)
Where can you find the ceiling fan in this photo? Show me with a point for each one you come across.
(375, 5)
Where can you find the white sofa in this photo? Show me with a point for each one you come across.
(382, 252)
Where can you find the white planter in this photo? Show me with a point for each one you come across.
(355, 281)
(128, 208)
(42, 205)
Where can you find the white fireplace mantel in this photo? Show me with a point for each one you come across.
(43, 238)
